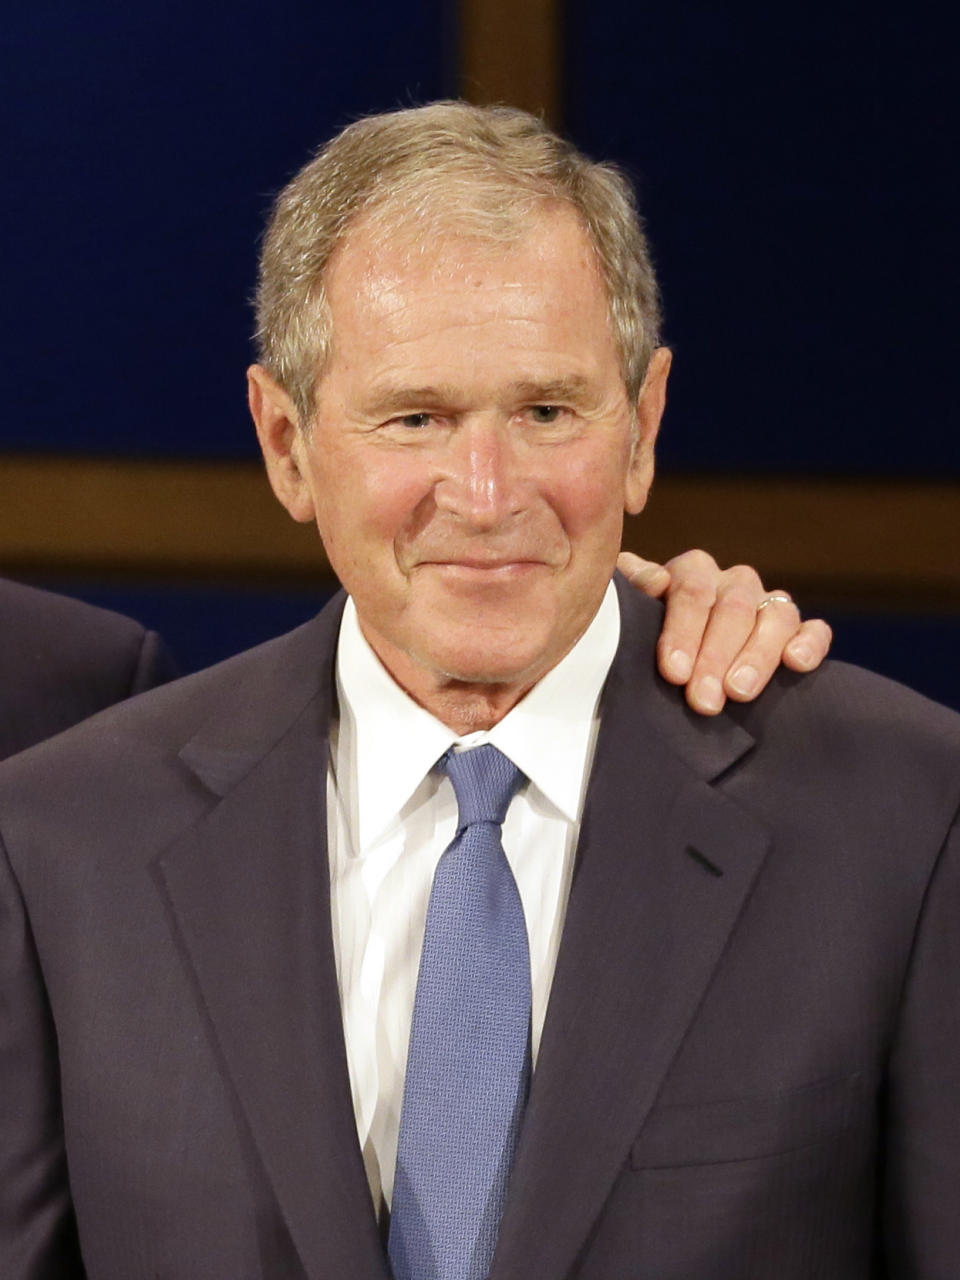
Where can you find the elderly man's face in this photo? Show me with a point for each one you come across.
(472, 451)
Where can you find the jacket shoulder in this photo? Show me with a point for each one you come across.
(845, 703)
(850, 741)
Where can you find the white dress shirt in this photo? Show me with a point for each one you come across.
(390, 817)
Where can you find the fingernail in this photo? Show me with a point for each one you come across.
(709, 693)
(745, 680)
(680, 664)
(801, 653)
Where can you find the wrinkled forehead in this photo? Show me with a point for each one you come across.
(389, 242)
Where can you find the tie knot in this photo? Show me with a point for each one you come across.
(484, 781)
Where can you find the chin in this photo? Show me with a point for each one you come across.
(487, 644)
(490, 662)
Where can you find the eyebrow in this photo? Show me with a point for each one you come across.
(392, 399)
(571, 387)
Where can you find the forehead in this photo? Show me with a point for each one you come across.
(403, 240)
(539, 289)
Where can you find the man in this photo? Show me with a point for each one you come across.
(62, 660)
(726, 948)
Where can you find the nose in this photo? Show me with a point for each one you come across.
(480, 480)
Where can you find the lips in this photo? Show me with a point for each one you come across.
(511, 562)
(473, 568)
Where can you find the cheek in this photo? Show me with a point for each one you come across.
(376, 502)
(589, 502)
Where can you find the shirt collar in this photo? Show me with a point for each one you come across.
(395, 742)
(548, 734)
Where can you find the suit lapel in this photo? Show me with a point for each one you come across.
(247, 892)
(664, 864)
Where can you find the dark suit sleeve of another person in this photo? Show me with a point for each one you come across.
(62, 660)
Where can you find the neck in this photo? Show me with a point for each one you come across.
(466, 708)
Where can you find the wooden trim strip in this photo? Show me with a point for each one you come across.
(153, 518)
(510, 53)
(878, 538)
(833, 537)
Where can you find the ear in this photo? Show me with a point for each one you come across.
(282, 441)
(650, 406)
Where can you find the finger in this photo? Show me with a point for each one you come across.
(777, 623)
(809, 646)
(731, 625)
(652, 578)
(690, 598)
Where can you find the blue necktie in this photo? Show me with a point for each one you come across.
(468, 1068)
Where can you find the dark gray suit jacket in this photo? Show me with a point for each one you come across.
(62, 660)
(750, 1068)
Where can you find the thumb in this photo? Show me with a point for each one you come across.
(651, 578)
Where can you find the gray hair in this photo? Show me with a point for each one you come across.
(480, 171)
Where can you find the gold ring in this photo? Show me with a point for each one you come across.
(778, 597)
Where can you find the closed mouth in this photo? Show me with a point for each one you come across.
(470, 563)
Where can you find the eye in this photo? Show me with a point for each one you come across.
(544, 414)
(415, 421)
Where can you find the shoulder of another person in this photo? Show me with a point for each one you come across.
(36, 616)
(62, 660)
(22, 601)
(239, 702)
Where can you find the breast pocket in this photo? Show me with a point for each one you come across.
(751, 1128)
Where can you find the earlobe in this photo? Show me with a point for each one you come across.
(281, 441)
(650, 406)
